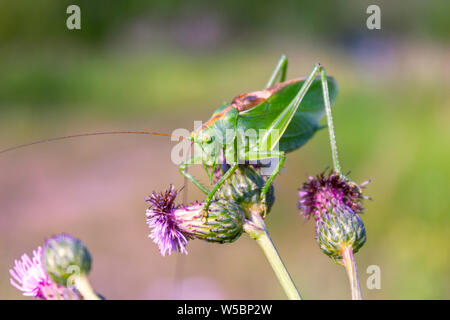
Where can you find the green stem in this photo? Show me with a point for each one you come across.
(352, 272)
(84, 287)
(258, 231)
(326, 98)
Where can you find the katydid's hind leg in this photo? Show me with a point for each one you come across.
(217, 186)
(281, 122)
(284, 121)
(326, 100)
(280, 70)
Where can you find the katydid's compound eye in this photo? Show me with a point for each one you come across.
(207, 138)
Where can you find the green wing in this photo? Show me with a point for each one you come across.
(272, 113)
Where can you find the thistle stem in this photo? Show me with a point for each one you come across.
(83, 286)
(352, 272)
(326, 98)
(258, 231)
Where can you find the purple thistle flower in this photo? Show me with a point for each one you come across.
(30, 277)
(162, 220)
(172, 226)
(320, 194)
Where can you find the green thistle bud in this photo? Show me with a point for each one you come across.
(340, 229)
(65, 256)
(244, 187)
(224, 223)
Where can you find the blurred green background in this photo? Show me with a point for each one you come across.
(160, 66)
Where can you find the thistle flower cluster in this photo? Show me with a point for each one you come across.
(173, 225)
(335, 204)
(30, 277)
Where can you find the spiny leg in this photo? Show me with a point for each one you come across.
(326, 99)
(280, 70)
(292, 108)
(267, 143)
(183, 170)
(217, 186)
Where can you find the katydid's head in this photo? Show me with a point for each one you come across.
(206, 141)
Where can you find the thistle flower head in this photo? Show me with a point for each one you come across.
(321, 194)
(335, 203)
(172, 226)
(30, 277)
(64, 255)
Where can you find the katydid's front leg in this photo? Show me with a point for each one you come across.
(217, 186)
(183, 170)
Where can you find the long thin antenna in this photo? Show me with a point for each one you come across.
(87, 135)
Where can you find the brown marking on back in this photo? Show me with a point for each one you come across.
(247, 101)
(216, 117)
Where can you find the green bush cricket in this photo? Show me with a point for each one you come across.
(284, 115)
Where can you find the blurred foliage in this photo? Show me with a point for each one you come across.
(40, 21)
